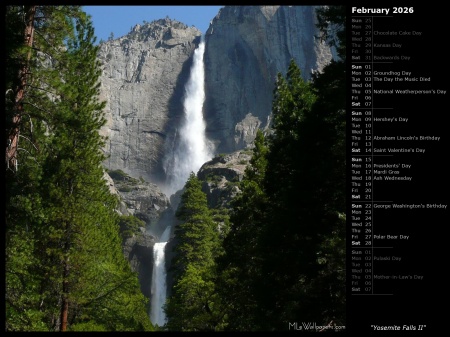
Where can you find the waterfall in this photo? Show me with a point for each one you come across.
(189, 152)
(192, 149)
(159, 289)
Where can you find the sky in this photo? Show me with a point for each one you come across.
(120, 19)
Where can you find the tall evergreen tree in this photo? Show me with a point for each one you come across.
(305, 182)
(285, 253)
(330, 86)
(292, 231)
(240, 266)
(24, 210)
(194, 304)
(78, 278)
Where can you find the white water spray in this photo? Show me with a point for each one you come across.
(159, 288)
(193, 149)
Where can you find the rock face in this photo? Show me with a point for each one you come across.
(143, 79)
(246, 46)
(220, 176)
(140, 198)
(138, 250)
(145, 72)
(145, 201)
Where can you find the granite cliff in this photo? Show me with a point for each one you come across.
(143, 79)
(145, 71)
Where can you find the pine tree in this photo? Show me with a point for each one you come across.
(194, 304)
(305, 181)
(284, 254)
(240, 266)
(305, 184)
(78, 278)
(25, 213)
(330, 86)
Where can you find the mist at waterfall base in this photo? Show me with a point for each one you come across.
(191, 151)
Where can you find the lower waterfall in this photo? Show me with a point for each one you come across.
(159, 288)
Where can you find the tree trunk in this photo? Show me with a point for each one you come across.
(13, 136)
(64, 296)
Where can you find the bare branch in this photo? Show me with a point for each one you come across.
(29, 141)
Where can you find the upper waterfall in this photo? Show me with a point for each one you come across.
(192, 148)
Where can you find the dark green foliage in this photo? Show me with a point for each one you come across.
(119, 175)
(306, 186)
(194, 304)
(332, 25)
(214, 179)
(124, 182)
(285, 253)
(65, 269)
(240, 267)
(129, 225)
